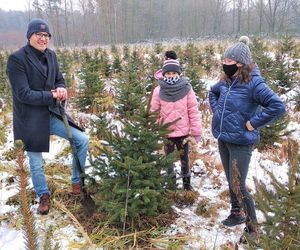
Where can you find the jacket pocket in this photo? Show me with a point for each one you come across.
(235, 122)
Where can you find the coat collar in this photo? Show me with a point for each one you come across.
(34, 59)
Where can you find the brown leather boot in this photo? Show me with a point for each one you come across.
(76, 189)
(44, 204)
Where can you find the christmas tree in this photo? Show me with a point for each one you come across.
(286, 68)
(131, 168)
(91, 89)
(281, 206)
(5, 91)
(268, 67)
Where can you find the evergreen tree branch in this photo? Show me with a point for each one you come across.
(29, 232)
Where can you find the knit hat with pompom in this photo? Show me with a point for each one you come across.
(240, 51)
(171, 65)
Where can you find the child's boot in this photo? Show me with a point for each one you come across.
(187, 183)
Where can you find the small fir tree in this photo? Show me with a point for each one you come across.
(271, 133)
(158, 48)
(113, 49)
(116, 66)
(126, 52)
(5, 91)
(104, 64)
(297, 101)
(286, 67)
(152, 64)
(132, 186)
(91, 90)
(208, 61)
(262, 59)
(130, 90)
(66, 62)
(189, 56)
(198, 85)
(281, 206)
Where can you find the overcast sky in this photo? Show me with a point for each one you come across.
(13, 4)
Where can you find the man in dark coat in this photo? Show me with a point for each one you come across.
(37, 84)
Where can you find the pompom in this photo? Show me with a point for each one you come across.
(245, 40)
(170, 54)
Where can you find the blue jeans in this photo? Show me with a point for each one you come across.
(242, 155)
(36, 161)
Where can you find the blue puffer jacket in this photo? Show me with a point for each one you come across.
(234, 103)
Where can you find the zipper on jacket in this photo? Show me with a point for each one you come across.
(223, 110)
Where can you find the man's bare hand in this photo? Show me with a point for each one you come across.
(60, 94)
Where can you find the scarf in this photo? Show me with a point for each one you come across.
(174, 92)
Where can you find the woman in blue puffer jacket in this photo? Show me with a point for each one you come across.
(241, 103)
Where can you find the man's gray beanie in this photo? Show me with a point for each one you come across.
(240, 51)
(37, 25)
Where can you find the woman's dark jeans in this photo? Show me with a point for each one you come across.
(239, 155)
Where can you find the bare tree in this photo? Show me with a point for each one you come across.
(233, 16)
(239, 14)
(275, 12)
(66, 20)
(283, 13)
(28, 9)
(89, 29)
(248, 16)
(218, 9)
(52, 8)
(295, 13)
(85, 22)
(38, 8)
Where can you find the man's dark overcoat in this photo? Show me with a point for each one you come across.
(32, 97)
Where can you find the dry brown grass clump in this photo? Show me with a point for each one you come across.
(229, 245)
(207, 209)
(184, 197)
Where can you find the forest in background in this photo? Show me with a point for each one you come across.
(93, 22)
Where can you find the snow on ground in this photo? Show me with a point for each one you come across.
(11, 236)
(203, 232)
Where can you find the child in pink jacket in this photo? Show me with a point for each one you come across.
(175, 100)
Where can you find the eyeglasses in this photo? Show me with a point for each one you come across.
(41, 35)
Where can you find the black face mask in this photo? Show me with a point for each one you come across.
(230, 70)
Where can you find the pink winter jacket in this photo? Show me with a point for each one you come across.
(186, 109)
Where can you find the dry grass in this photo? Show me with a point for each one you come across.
(224, 196)
(104, 234)
(96, 226)
(207, 209)
(9, 154)
(229, 245)
(277, 154)
(184, 197)
(10, 169)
